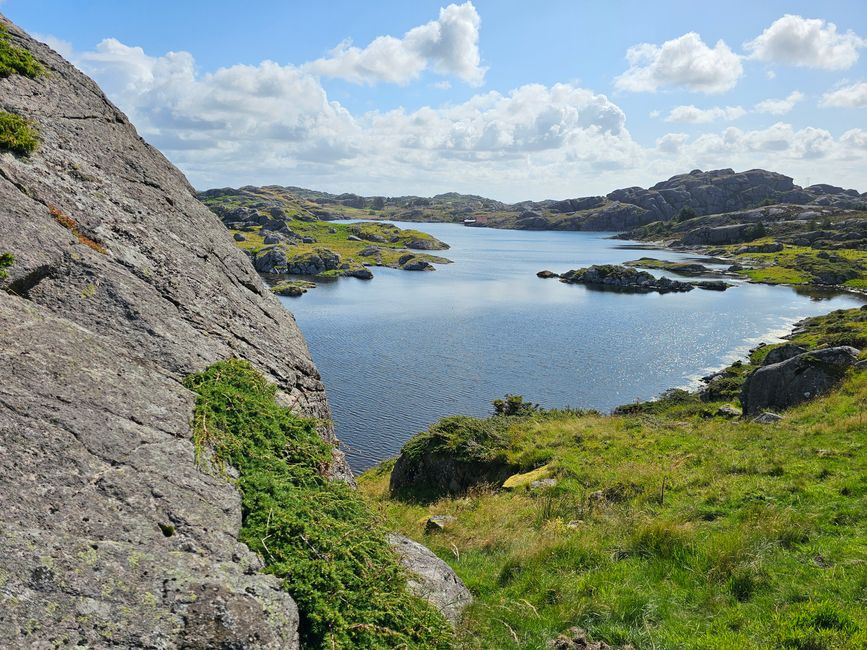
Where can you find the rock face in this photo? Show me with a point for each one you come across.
(440, 474)
(125, 283)
(782, 353)
(780, 385)
(432, 579)
(623, 278)
(111, 535)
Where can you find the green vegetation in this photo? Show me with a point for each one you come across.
(17, 134)
(316, 535)
(388, 254)
(667, 527)
(292, 288)
(685, 214)
(6, 260)
(305, 235)
(805, 265)
(16, 60)
(682, 268)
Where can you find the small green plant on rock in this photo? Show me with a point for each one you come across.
(17, 134)
(6, 260)
(16, 60)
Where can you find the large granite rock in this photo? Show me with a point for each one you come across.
(110, 534)
(802, 377)
(431, 578)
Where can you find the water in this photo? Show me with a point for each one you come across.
(400, 351)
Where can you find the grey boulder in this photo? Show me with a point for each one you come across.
(782, 385)
(432, 579)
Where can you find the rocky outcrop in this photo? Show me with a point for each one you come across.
(431, 578)
(781, 385)
(623, 278)
(430, 244)
(125, 283)
(783, 353)
(438, 474)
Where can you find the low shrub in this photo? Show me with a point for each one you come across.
(17, 134)
(6, 260)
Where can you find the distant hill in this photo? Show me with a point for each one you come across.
(697, 193)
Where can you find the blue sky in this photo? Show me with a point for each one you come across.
(507, 99)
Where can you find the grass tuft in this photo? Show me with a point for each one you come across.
(16, 60)
(17, 134)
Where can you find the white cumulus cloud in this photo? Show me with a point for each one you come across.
(448, 45)
(682, 62)
(779, 106)
(852, 96)
(272, 123)
(671, 142)
(693, 114)
(807, 42)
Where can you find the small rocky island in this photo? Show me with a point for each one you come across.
(626, 279)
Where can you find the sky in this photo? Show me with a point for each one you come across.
(506, 99)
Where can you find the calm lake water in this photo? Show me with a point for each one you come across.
(400, 351)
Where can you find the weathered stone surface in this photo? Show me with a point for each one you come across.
(782, 353)
(431, 244)
(774, 247)
(545, 275)
(712, 285)
(728, 411)
(416, 264)
(432, 579)
(361, 274)
(805, 376)
(111, 535)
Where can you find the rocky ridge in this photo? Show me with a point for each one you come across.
(698, 192)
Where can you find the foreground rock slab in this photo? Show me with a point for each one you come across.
(111, 535)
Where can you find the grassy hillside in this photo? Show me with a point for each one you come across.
(668, 526)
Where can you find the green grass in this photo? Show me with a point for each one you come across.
(668, 528)
(339, 242)
(17, 134)
(6, 260)
(292, 287)
(803, 265)
(15, 60)
(318, 536)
